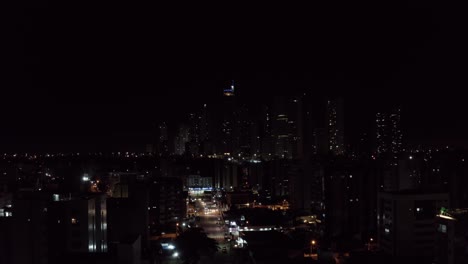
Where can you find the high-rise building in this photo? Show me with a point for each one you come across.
(229, 179)
(49, 226)
(281, 128)
(388, 132)
(181, 139)
(335, 126)
(266, 133)
(230, 91)
(255, 141)
(321, 141)
(287, 127)
(127, 208)
(206, 136)
(452, 236)
(82, 220)
(228, 123)
(397, 136)
(407, 222)
(167, 203)
(242, 132)
(193, 145)
(204, 124)
(163, 139)
(300, 186)
(347, 192)
(30, 240)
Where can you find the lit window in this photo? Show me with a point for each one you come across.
(442, 228)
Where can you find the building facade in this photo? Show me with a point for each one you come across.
(407, 222)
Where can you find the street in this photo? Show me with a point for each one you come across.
(215, 229)
(209, 222)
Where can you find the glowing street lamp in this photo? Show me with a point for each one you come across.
(313, 245)
(369, 245)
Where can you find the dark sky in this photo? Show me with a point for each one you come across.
(105, 73)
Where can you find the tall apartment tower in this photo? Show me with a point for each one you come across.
(388, 132)
(335, 126)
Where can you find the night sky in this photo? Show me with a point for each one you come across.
(101, 75)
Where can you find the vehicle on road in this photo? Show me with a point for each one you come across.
(224, 250)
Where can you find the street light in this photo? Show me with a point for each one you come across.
(369, 245)
(313, 244)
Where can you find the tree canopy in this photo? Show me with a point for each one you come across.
(194, 243)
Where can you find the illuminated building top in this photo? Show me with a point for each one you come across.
(453, 214)
(229, 91)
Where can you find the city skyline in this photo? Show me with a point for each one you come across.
(239, 134)
(59, 85)
(132, 125)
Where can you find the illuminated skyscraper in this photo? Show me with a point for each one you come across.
(229, 91)
(163, 131)
(163, 143)
(281, 128)
(194, 128)
(396, 141)
(267, 139)
(335, 126)
(204, 124)
(287, 127)
(388, 132)
(229, 121)
(381, 133)
(242, 131)
(181, 139)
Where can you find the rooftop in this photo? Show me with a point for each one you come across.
(453, 213)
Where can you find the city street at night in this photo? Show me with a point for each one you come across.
(212, 223)
(282, 134)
